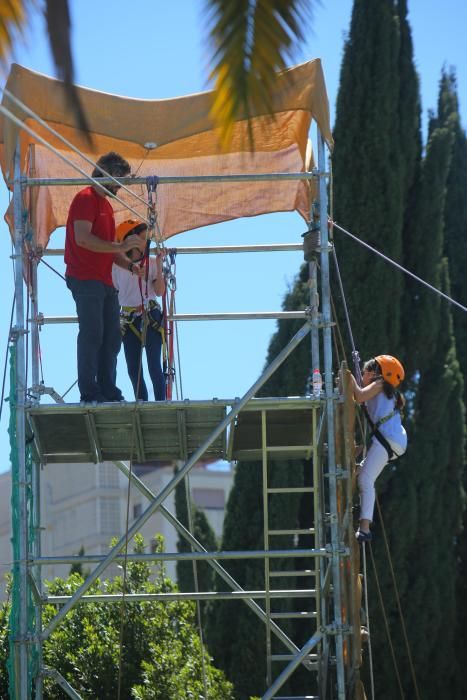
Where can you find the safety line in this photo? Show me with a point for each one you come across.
(386, 625)
(344, 301)
(365, 591)
(144, 325)
(196, 584)
(179, 387)
(41, 260)
(399, 267)
(355, 357)
(396, 591)
(70, 388)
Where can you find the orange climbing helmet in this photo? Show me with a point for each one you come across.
(391, 369)
(125, 228)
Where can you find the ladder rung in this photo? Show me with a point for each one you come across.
(292, 615)
(294, 489)
(289, 448)
(307, 531)
(285, 574)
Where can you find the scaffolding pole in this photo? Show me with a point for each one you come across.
(20, 523)
(329, 392)
(328, 557)
(168, 179)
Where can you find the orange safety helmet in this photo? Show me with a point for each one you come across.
(391, 369)
(125, 228)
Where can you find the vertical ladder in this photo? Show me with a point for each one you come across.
(313, 571)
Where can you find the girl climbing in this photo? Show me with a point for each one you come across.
(382, 406)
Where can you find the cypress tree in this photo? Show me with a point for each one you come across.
(455, 246)
(455, 212)
(377, 149)
(423, 530)
(422, 503)
(424, 248)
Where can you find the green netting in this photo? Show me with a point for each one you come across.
(14, 631)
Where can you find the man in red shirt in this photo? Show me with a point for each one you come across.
(90, 251)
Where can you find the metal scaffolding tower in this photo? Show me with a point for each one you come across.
(318, 429)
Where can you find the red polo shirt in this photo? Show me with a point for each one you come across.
(86, 264)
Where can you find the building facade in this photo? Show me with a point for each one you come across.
(84, 506)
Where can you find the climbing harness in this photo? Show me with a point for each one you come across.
(375, 432)
(131, 315)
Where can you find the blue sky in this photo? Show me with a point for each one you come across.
(155, 49)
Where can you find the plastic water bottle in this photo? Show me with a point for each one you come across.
(317, 383)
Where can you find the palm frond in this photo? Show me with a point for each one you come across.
(59, 29)
(12, 16)
(252, 40)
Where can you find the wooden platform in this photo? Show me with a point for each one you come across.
(171, 430)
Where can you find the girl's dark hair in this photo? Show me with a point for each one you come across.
(137, 230)
(390, 391)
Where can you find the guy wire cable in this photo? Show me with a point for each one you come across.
(399, 267)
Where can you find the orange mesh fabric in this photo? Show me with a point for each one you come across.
(186, 145)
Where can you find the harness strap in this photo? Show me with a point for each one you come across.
(378, 434)
(130, 313)
(384, 419)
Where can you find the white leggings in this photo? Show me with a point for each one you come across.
(371, 467)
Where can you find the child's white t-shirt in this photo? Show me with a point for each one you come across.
(130, 291)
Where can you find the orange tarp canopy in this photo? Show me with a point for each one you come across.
(187, 144)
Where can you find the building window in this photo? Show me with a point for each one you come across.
(108, 476)
(209, 499)
(110, 516)
(137, 510)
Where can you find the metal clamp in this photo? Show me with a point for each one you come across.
(40, 390)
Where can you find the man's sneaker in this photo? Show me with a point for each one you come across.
(115, 396)
(94, 398)
(363, 536)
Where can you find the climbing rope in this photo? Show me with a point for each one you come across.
(365, 592)
(356, 360)
(386, 624)
(40, 259)
(196, 584)
(179, 385)
(399, 607)
(168, 302)
(127, 514)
